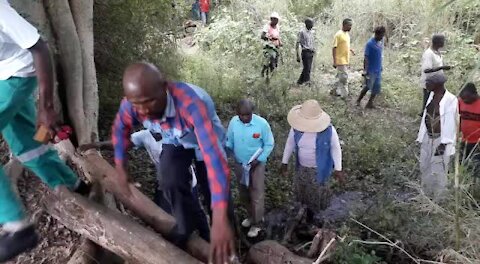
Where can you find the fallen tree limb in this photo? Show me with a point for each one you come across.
(295, 222)
(271, 252)
(93, 164)
(112, 230)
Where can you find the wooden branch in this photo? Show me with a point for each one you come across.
(314, 248)
(296, 221)
(112, 230)
(321, 258)
(93, 164)
(271, 252)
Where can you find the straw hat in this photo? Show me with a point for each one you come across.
(308, 117)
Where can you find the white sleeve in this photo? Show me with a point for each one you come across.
(289, 147)
(336, 150)
(449, 128)
(17, 28)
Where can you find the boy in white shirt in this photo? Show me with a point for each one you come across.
(432, 61)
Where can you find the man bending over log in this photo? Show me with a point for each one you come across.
(185, 116)
(24, 65)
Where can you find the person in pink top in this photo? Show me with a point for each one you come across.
(271, 31)
(271, 35)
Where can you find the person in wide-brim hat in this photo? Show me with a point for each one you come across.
(316, 144)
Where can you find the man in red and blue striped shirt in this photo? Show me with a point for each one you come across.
(185, 116)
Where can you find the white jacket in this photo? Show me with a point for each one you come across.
(448, 121)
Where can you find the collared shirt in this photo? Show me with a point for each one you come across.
(341, 42)
(246, 139)
(16, 37)
(306, 39)
(373, 53)
(430, 60)
(190, 121)
(469, 121)
(448, 122)
(307, 149)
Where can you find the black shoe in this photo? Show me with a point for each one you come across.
(83, 188)
(13, 244)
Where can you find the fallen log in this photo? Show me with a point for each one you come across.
(92, 163)
(141, 205)
(112, 230)
(271, 252)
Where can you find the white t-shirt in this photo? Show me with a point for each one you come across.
(430, 60)
(16, 37)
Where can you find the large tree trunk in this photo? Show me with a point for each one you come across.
(70, 59)
(112, 230)
(83, 16)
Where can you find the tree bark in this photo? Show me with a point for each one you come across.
(271, 252)
(82, 12)
(70, 57)
(112, 230)
(98, 169)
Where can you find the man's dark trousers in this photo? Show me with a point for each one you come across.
(307, 59)
(175, 162)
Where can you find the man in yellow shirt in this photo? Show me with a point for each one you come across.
(341, 58)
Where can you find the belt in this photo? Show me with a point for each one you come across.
(308, 50)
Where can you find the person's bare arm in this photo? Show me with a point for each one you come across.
(446, 67)
(334, 54)
(43, 67)
(298, 50)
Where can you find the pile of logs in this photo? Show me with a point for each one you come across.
(110, 235)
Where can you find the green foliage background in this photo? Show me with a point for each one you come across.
(380, 156)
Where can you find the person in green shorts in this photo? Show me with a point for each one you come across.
(24, 65)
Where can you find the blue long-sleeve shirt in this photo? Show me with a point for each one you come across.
(245, 139)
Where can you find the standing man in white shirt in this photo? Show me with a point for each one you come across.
(24, 65)
(437, 135)
(317, 146)
(432, 61)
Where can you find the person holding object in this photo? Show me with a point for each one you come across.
(372, 67)
(432, 61)
(318, 154)
(437, 135)
(250, 138)
(185, 116)
(341, 58)
(306, 46)
(25, 64)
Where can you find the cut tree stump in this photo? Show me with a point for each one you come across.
(271, 252)
(112, 230)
